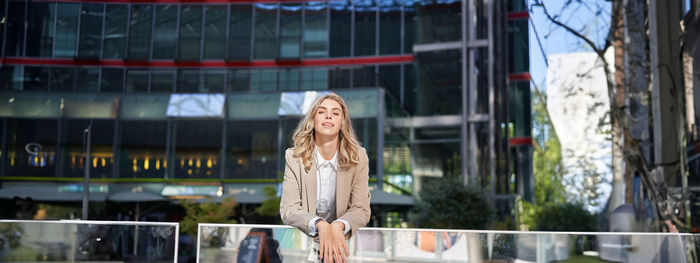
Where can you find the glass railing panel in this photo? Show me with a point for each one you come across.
(264, 243)
(93, 241)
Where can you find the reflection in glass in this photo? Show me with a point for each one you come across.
(341, 27)
(364, 77)
(251, 149)
(239, 46)
(390, 79)
(215, 32)
(238, 80)
(263, 80)
(14, 39)
(162, 80)
(289, 79)
(409, 19)
(90, 30)
(115, 31)
(190, 32)
(365, 27)
(316, 30)
(140, 32)
(36, 78)
(314, 79)
(112, 79)
(31, 147)
(214, 80)
(265, 31)
(142, 149)
(62, 79)
(66, 29)
(438, 22)
(188, 80)
(518, 41)
(73, 148)
(339, 78)
(290, 30)
(197, 149)
(40, 26)
(137, 80)
(389, 27)
(88, 79)
(438, 81)
(164, 36)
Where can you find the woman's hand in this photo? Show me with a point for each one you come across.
(332, 241)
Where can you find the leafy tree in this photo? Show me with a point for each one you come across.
(271, 206)
(207, 212)
(447, 203)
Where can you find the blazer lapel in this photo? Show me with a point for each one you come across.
(311, 185)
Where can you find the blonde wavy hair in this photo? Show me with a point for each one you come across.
(303, 137)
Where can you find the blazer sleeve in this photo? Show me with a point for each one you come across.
(291, 210)
(358, 212)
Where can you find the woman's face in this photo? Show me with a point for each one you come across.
(328, 118)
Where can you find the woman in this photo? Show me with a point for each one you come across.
(325, 192)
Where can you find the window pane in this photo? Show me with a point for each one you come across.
(439, 22)
(36, 78)
(42, 134)
(115, 31)
(215, 32)
(290, 27)
(339, 78)
(341, 25)
(389, 27)
(142, 151)
(66, 29)
(239, 47)
(112, 79)
(251, 149)
(364, 77)
(165, 35)
(187, 80)
(73, 151)
(409, 26)
(438, 83)
(162, 80)
(40, 29)
(62, 79)
(190, 32)
(316, 30)
(365, 27)
(390, 79)
(265, 31)
(263, 80)
(198, 148)
(289, 79)
(140, 32)
(238, 80)
(137, 80)
(519, 49)
(14, 42)
(90, 30)
(214, 80)
(314, 79)
(88, 79)
(409, 89)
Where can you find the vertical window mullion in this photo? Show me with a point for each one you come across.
(252, 33)
(77, 32)
(102, 37)
(202, 35)
(126, 39)
(227, 49)
(150, 44)
(4, 28)
(26, 26)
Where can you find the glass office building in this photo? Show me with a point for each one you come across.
(200, 97)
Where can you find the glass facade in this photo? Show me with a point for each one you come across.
(121, 64)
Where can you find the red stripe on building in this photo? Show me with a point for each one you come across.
(518, 15)
(525, 76)
(518, 141)
(325, 62)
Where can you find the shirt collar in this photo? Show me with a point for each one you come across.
(333, 161)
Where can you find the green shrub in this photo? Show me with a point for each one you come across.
(447, 203)
(565, 217)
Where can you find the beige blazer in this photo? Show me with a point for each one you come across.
(298, 204)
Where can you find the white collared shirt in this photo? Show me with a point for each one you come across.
(326, 172)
